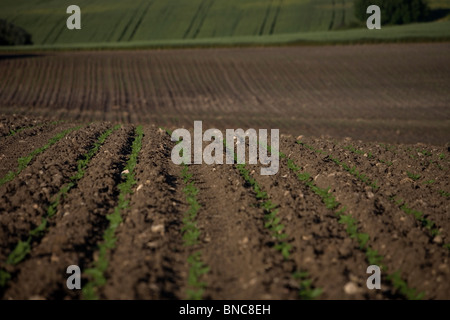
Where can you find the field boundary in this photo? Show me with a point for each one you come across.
(412, 33)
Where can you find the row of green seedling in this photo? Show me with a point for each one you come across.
(420, 216)
(426, 153)
(96, 274)
(25, 161)
(272, 222)
(351, 224)
(23, 248)
(306, 289)
(416, 177)
(191, 235)
(14, 132)
(369, 154)
(411, 175)
(352, 170)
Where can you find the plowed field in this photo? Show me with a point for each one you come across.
(392, 93)
(86, 176)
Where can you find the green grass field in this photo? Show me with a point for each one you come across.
(135, 23)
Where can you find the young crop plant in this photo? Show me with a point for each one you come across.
(424, 152)
(191, 234)
(363, 239)
(419, 215)
(388, 147)
(14, 132)
(307, 292)
(24, 161)
(403, 288)
(196, 270)
(358, 151)
(23, 248)
(444, 194)
(413, 176)
(352, 170)
(97, 272)
(369, 154)
(386, 162)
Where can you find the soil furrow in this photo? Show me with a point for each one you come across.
(236, 246)
(76, 228)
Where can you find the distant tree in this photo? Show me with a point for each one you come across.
(11, 35)
(394, 11)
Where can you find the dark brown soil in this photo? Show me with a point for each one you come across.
(149, 260)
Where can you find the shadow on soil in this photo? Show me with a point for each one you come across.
(18, 56)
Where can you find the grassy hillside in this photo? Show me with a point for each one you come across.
(158, 21)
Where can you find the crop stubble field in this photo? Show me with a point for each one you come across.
(82, 183)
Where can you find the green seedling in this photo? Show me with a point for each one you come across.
(373, 184)
(14, 132)
(444, 194)
(388, 163)
(418, 215)
(306, 292)
(402, 287)
(413, 176)
(424, 152)
(196, 270)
